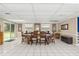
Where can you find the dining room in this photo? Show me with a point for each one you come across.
(39, 32)
(39, 29)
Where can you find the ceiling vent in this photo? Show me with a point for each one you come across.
(53, 21)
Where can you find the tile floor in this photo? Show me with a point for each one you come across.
(16, 48)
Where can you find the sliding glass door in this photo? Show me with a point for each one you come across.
(8, 31)
(12, 32)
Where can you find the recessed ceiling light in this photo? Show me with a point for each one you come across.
(16, 20)
(7, 13)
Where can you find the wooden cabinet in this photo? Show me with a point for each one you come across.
(67, 39)
(57, 35)
(1, 38)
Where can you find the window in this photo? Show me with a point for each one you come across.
(9, 31)
(45, 27)
(28, 27)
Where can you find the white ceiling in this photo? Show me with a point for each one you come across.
(38, 12)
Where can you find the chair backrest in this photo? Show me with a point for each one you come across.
(22, 34)
(34, 34)
(43, 34)
(28, 37)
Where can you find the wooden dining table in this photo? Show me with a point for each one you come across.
(29, 37)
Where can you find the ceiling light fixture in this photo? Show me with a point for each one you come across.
(7, 13)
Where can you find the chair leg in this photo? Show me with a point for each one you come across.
(45, 41)
(36, 41)
(53, 41)
(28, 42)
(22, 40)
(40, 41)
(31, 41)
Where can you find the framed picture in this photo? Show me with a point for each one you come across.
(19, 27)
(64, 27)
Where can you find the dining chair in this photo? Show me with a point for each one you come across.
(29, 39)
(34, 37)
(48, 38)
(23, 37)
(43, 37)
(52, 38)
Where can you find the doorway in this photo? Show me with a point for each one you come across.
(9, 32)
